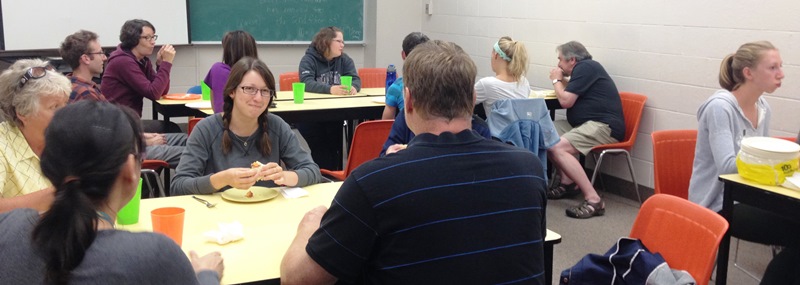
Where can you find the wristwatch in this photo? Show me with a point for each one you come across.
(556, 80)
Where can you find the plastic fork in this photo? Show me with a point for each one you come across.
(207, 203)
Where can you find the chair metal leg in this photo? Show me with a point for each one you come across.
(154, 175)
(633, 177)
(630, 168)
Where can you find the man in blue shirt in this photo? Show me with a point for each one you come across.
(394, 95)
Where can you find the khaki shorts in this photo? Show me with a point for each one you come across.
(585, 136)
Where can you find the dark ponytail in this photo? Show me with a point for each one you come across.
(86, 145)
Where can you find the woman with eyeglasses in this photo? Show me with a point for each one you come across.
(223, 146)
(321, 69)
(235, 45)
(129, 76)
(30, 93)
(93, 158)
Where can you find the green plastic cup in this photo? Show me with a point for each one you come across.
(299, 90)
(129, 214)
(205, 91)
(347, 81)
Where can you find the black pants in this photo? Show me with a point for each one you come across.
(765, 227)
(325, 141)
(155, 126)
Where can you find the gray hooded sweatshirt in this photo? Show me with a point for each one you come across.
(721, 127)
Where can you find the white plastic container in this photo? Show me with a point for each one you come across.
(767, 160)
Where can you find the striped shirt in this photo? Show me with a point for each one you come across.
(450, 209)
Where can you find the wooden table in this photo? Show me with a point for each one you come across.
(269, 228)
(777, 199)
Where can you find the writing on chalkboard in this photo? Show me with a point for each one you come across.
(275, 20)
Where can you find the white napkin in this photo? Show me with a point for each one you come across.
(792, 182)
(227, 232)
(293, 192)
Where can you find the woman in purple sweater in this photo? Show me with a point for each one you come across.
(129, 76)
(235, 45)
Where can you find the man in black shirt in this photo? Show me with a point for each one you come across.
(451, 208)
(594, 117)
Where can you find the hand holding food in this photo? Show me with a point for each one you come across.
(241, 178)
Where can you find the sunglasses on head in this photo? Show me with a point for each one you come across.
(35, 72)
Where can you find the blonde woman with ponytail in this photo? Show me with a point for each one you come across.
(510, 64)
(739, 110)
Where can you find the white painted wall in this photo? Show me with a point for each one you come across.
(667, 50)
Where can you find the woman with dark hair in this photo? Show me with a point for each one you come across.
(95, 170)
(222, 147)
(235, 46)
(129, 76)
(321, 69)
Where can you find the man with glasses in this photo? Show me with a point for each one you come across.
(83, 53)
(129, 76)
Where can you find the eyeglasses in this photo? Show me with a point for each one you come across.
(339, 41)
(265, 93)
(35, 72)
(150, 38)
(100, 53)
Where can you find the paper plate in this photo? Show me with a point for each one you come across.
(182, 96)
(259, 194)
(379, 100)
(199, 105)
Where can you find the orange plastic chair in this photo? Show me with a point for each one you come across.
(190, 126)
(673, 156)
(372, 77)
(687, 235)
(368, 139)
(632, 107)
(286, 80)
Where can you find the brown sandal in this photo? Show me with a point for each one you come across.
(587, 210)
(559, 191)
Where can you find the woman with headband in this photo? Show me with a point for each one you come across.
(510, 64)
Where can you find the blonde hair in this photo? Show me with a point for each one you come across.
(731, 70)
(25, 101)
(518, 65)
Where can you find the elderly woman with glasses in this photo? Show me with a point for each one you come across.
(30, 93)
(243, 145)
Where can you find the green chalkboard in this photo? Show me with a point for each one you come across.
(275, 20)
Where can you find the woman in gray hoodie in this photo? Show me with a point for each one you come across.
(735, 112)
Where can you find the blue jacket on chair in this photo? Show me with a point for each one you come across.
(524, 123)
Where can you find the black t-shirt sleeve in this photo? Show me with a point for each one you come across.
(583, 77)
(346, 236)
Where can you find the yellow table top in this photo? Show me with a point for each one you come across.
(269, 228)
(546, 94)
(311, 105)
(776, 189)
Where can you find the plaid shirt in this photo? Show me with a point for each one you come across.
(82, 90)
